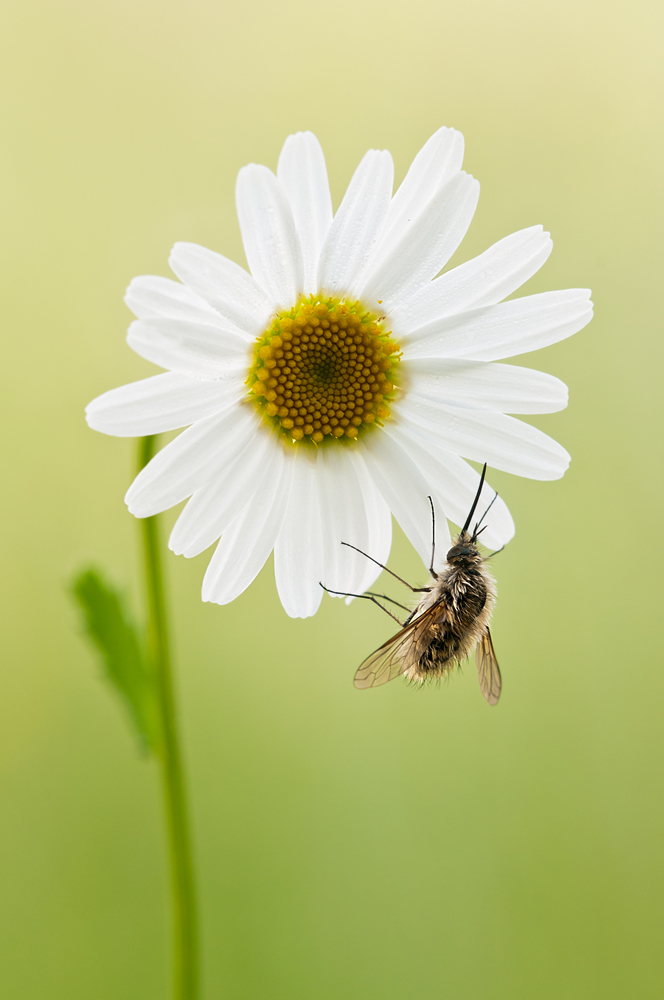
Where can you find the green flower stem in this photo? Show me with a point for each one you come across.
(184, 903)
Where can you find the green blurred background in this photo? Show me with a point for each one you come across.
(387, 844)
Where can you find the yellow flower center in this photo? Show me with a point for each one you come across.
(324, 368)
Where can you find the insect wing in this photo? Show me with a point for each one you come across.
(488, 671)
(400, 652)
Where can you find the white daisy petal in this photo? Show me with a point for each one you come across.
(455, 483)
(501, 441)
(193, 459)
(352, 511)
(211, 509)
(436, 163)
(149, 296)
(357, 225)
(249, 539)
(302, 174)
(504, 330)
(336, 484)
(405, 489)
(379, 520)
(158, 404)
(200, 350)
(425, 246)
(298, 550)
(483, 281)
(269, 235)
(225, 286)
(484, 385)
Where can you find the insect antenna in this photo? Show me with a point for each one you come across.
(415, 590)
(476, 532)
(475, 501)
(433, 539)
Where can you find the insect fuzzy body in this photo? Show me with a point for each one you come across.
(451, 619)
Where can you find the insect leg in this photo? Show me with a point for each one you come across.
(367, 597)
(433, 539)
(372, 593)
(476, 532)
(415, 590)
(475, 501)
(491, 554)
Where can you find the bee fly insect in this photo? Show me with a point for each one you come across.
(451, 618)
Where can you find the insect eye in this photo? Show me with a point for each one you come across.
(459, 550)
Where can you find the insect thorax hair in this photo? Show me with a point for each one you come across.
(466, 593)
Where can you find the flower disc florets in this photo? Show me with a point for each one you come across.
(324, 368)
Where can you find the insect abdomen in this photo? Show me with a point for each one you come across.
(467, 598)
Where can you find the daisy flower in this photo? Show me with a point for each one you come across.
(343, 377)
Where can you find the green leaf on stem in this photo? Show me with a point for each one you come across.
(122, 649)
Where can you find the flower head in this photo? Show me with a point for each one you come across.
(341, 379)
